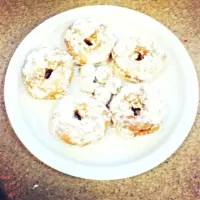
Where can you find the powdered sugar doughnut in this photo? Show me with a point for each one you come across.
(80, 120)
(87, 84)
(137, 59)
(88, 70)
(102, 74)
(114, 85)
(102, 94)
(48, 72)
(89, 41)
(136, 110)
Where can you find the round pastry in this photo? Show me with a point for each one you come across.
(102, 74)
(80, 120)
(103, 95)
(48, 72)
(87, 70)
(88, 84)
(137, 59)
(114, 85)
(88, 41)
(136, 110)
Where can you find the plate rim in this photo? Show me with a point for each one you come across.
(109, 172)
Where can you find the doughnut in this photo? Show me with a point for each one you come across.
(102, 74)
(136, 110)
(137, 60)
(47, 72)
(89, 41)
(87, 78)
(114, 85)
(88, 84)
(80, 119)
(87, 70)
(102, 94)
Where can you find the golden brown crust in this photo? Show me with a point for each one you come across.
(65, 138)
(147, 131)
(139, 131)
(80, 59)
(124, 75)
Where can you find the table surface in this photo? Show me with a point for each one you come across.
(23, 177)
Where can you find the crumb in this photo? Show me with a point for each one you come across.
(35, 186)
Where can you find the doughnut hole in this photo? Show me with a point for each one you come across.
(103, 95)
(88, 84)
(114, 85)
(102, 74)
(87, 70)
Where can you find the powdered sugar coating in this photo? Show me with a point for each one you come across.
(87, 84)
(102, 74)
(102, 94)
(138, 59)
(48, 72)
(114, 84)
(89, 41)
(137, 110)
(89, 126)
(87, 70)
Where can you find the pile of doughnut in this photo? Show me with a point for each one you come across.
(113, 83)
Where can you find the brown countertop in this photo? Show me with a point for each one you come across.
(176, 178)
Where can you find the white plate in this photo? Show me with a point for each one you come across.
(112, 157)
